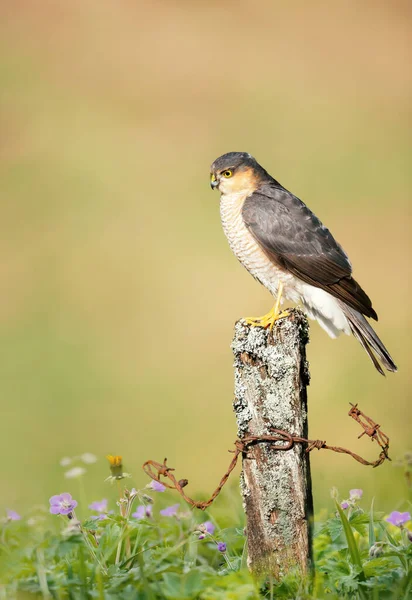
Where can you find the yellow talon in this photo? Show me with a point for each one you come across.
(267, 320)
(272, 316)
(259, 320)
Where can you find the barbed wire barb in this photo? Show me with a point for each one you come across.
(282, 441)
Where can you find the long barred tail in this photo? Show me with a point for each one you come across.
(368, 338)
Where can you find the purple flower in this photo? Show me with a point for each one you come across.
(12, 515)
(157, 486)
(344, 505)
(355, 494)
(221, 546)
(63, 504)
(143, 511)
(204, 529)
(170, 511)
(210, 528)
(101, 516)
(397, 518)
(99, 506)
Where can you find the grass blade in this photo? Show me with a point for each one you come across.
(372, 538)
(390, 539)
(350, 538)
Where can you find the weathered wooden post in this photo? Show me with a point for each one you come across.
(271, 376)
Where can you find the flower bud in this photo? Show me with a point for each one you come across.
(376, 549)
(334, 493)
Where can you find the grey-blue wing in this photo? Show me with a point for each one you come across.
(294, 239)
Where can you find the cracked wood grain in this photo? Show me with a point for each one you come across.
(271, 377)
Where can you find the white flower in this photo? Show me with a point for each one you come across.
(88, 458)
(334, 493)
(355, 494)
(75, 472)
(65, 461)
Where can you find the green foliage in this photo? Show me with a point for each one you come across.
(357, 555)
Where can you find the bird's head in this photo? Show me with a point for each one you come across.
(236, 173)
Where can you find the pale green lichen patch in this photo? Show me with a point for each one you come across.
(269, 378)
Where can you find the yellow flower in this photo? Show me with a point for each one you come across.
(115, 461)
(116, 468)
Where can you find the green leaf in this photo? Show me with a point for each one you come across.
(359, 522)
(193, 583)
(378, 566)
(91, 524)
(334, 528)
(349, 583)
(171, 585)
(176, 586)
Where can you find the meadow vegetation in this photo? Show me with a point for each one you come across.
(147, 544)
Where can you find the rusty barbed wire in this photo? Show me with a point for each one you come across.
(155, 470)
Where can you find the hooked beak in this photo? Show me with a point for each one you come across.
(213, 181)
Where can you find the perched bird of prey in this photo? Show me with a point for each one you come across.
(286, 247)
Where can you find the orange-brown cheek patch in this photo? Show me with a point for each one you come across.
(245, 180)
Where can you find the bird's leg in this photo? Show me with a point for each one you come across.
(272, 316)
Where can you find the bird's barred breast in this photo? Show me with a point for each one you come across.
(247, 250)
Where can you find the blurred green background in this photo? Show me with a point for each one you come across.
(119, 291)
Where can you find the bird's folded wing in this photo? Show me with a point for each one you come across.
(295, 240)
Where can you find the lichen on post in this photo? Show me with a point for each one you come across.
(271, 375)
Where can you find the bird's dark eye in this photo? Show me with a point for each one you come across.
(227, 173)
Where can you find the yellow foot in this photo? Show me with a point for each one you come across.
(268, 320)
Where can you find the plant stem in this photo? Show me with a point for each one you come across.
(41, 573)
